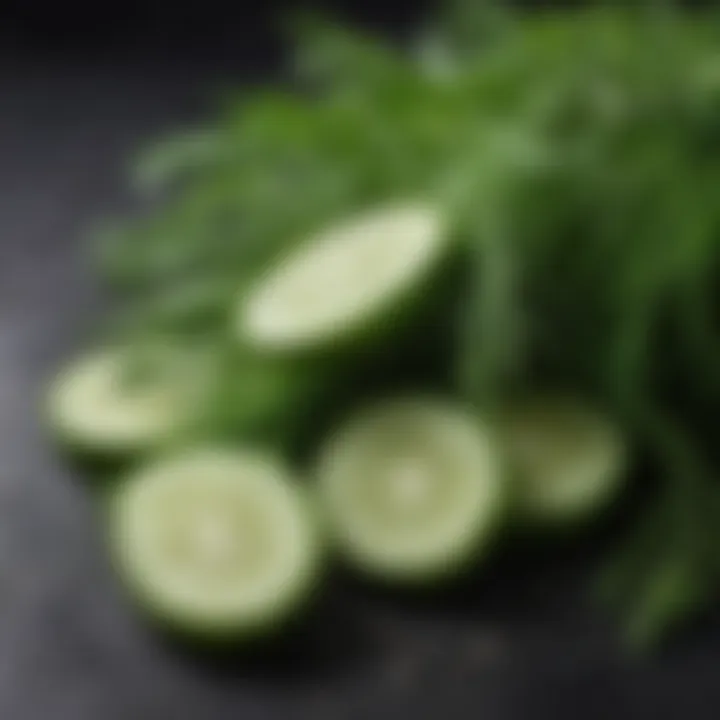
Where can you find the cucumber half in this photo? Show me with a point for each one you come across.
(342, 282)
(214, 543)
(124, 400)
(412, 490)
(567, 460)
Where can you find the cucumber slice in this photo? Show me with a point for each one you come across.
(215, 543)
(124, 400)
(341, 283)
(567, 460)
(412, 490)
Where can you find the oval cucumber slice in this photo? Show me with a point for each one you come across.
(342, 282)
(412, 490)
(215, 543)
(124, 400)
(567, 460)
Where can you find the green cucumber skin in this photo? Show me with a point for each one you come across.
(259, 403)
(204, 633)
(220, 635)
(291, 418)
(89, 465)
(456, 569)
(571, 521)
(403, 314)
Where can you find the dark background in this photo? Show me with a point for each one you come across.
(211, 27)
(82, 85)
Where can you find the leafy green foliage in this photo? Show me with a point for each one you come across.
(576, 153)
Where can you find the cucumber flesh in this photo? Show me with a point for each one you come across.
(215, 543)
(567, 460)
(343, 280)
(125, 400)
(412, 490)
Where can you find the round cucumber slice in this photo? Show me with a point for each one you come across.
(412, 490)
(125, 400)
(215, 543)
(567, 460)
(336, 286)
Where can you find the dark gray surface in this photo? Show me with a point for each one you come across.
(522, 645)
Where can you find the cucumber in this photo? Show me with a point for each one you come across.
(566, 459)
(412, 490)
(346, 281)
(215, 543)
(262, 399)
(127, 399)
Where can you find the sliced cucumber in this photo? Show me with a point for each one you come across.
(214, 543)
(567, 460)
(412, 490)
(346, 280)
(127, 399)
